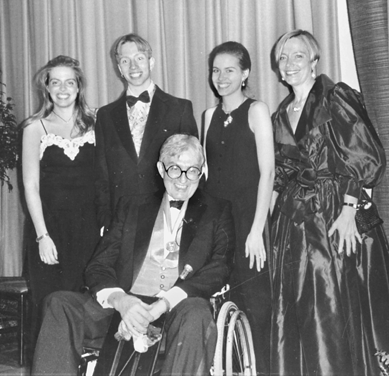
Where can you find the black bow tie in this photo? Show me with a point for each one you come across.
(176, 204)
(144, 97)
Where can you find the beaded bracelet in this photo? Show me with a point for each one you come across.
(39, 238)
(355, 206)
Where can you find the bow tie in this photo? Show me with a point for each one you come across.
(176, 204)
(144, 97)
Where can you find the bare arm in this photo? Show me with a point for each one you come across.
(31, 170)
(260, 124)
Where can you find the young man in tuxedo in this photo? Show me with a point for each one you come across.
(149, 244)
(131, 130)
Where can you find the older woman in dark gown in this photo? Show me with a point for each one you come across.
(331, 287)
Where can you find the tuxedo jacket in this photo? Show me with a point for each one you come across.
(119, 171)
(207, 244)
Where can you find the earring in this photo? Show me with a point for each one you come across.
(243, 84)
(313, 75)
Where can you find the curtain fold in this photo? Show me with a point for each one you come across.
(181, 32)
(369, 32)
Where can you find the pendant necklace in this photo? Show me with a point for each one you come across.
(65, 121)
(302, 103)
(230, 118)
(298, 108)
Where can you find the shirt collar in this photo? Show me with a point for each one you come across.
(150, 89)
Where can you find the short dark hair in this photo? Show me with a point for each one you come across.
(231, 48)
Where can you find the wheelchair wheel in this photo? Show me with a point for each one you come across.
(234, 354)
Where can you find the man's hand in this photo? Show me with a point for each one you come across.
(158, 308)
(135, 314)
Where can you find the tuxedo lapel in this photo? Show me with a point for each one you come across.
(154, 121)
(193, 215)
(147, 214)
(120, 121)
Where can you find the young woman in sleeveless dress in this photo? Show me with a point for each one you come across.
(238, 141)
(58, 159)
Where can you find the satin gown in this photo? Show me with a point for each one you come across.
(331, 312)
(234, 175)
(67, 193)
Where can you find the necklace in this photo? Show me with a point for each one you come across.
(298, 108)
(230, 118)
(228, 121)
(65, 121)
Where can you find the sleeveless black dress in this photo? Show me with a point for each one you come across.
(67, 193)
(234, 175)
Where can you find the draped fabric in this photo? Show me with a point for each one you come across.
(181, 33)
(369, 31)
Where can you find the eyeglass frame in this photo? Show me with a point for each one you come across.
(182, 171)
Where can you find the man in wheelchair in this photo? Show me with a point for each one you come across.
(175, 246)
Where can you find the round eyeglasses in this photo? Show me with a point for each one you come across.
(175, 172)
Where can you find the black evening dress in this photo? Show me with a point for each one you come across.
(233, 174)
(331, 311)
(67, 193)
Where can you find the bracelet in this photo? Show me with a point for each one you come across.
(355, 206)
(39, 238)
(166, 302)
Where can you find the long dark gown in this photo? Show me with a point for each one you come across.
(67, 193)
(234, 175)
(331, 311)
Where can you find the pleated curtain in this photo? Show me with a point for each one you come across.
(369, 32)
(181, 32)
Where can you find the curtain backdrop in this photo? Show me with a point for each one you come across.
(181, 33)
(369, 30)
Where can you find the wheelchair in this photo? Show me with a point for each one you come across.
(234, 353)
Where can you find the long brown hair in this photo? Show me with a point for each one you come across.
(84, 116)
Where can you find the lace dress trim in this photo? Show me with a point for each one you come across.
(70, 147)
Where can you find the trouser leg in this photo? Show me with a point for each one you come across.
(69, 318)
(191, 338)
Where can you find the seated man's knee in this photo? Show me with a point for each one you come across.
(60, 301)
(194, 313)
(195, 307)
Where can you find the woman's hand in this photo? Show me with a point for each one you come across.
(48, 251)
(347, 229)
(255, 249)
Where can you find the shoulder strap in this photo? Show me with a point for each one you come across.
(204, 130)
(43, 126)
(206, 123)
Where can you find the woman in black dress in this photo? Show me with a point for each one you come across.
(58, 159)
(331, 289)
(239, 149)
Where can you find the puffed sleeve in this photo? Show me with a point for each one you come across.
(359, 157)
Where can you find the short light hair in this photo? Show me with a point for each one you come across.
(141, 43)
(306, 37)
(178, 143)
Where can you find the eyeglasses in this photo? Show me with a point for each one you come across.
(175, 172)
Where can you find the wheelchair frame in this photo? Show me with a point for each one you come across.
(234, 353)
